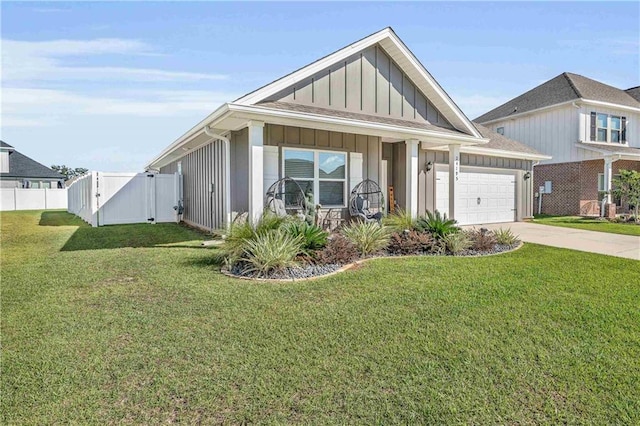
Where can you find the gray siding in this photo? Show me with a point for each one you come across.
(426, 181)
(240, 170)
(369, 146)
(368, 82)
(200, 169)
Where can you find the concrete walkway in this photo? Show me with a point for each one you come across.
(626, 246)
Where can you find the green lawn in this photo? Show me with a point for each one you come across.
(589, 223)
(134, 324)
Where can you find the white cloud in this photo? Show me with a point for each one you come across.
(26, 106)
(41, 61)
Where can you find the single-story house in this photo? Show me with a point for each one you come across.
(589, 128)
(19, 171)
(367, 111)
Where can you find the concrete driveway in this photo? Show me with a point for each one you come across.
(626, 246)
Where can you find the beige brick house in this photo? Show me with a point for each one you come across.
(590, 129)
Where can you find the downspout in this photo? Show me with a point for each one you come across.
(227, 173)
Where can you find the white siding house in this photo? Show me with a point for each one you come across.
(589, 129)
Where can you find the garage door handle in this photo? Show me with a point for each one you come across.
(478, 200)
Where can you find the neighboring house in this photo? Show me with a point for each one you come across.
(367, 111)
(19, 171)
(590, 129)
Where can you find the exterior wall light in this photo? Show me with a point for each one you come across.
(428, 166)
(527, 175)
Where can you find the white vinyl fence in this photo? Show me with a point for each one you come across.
(32, 199)
(101, 198)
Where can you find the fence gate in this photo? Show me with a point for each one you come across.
(118, 198)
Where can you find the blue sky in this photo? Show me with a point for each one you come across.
(108, 85)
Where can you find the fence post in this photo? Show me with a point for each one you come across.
(15, 198)
(93, 199)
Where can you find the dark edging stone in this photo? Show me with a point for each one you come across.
(310, 272)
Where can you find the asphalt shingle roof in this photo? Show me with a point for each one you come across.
(634, 92)
(21, 166)
(357, 116)
(563, 88)
(503, 143)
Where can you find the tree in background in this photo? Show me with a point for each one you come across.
(68, 172)
(626, 186)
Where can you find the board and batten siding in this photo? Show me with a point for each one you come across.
(300, 137)
(368, 82)
(203, 183)
(632, 123)
(556, 131)
(427, 180)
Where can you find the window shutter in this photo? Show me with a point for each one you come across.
(593, 127)
(624, 130)
(270, 164)
(355, 169)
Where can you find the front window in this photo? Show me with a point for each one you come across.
(609, 128)
(321, 173)
(601, 182)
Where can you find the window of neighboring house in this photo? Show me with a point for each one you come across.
(34, 184)
(323, 173)
(500, 130)
(608, 128)
(46, 185)
(601, 182)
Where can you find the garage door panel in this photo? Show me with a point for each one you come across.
(496, 192)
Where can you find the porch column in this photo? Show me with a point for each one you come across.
(256, 178)
(608, 162)
(454, 176)
(411, 176)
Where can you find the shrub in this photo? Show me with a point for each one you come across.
(481, 239)
(400, 221)
(270, 251)
(368, 237)
(456, 242)
(437, 225)
(313, 237)
(239, 233)
(338, 250)
(411, 242)
(505, 237)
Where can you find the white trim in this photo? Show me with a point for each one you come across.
(316, 173)
(356, 125)
(606, 153)
(480, 150)
(573, 101)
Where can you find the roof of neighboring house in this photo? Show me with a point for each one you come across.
(3, 144)
(563, 88)
(287, 106)
(610, 149)
(21, 166)
(634, 92)
(503, 143)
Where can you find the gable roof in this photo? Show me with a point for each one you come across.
(564, 88)
(634, 92)
(21, 166)
(5, 145)
(398, 52)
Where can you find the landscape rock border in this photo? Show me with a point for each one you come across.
(358, 262)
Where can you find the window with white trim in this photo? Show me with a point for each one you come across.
(601, 182)
(608, 128)
(322, 173)
(500, 130)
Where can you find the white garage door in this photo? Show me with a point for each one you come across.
(482, 197)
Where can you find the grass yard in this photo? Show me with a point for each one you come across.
(134, 324)
(589, 224)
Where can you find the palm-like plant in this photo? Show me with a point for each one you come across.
(400, 221)
(438, 225)
(313, 237)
